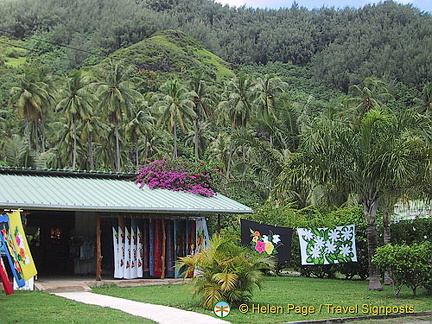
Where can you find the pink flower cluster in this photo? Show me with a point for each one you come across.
(177, 176)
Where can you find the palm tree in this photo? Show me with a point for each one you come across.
(236, 107)
(226, 271)
(116, 96)
(141, 125)
(203, 101)
(219, 149)
(424, 103)
(92, 129)
(269, 102)
(270, 88)
(385, 152)
(76, 103)
(33, 96)
(177, 108)
(373, 93)
(18, 154)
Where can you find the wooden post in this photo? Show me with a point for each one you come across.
(163, 257)
(219, 224)
(98, 249)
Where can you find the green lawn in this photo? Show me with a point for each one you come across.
(35, 307)
(302, 294)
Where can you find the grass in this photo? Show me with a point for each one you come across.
(35, 307)
(304, 293)
(39, 307)
(12, 52)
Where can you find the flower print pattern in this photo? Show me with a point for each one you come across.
(22, 254)
(260, 246)
(261, 243)
(330, 248)
(276, 238)
(269, 248)
(346, 233)
(308, 235)
(345, 250)
(315, 251)
(327, 245)
(319, 242)
(333, 235)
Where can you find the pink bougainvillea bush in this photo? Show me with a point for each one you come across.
(177, 175)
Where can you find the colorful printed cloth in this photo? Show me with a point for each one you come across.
(202, 235)
(267, 239)
(327, 245)
(9, 250)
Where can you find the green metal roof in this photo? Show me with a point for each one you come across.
(45, 190)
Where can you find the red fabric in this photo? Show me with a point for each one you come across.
(158, 248)
(5, 280)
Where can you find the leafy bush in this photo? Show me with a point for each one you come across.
(225, 271)
(408, 265)
(411, 231)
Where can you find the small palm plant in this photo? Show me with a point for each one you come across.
(225, 272)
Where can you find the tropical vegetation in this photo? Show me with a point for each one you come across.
(322, 108)
(408, 265)
(225, 271)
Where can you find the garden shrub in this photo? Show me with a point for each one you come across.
(428, 286)
(408, 265)
(411, 231)
(225, 271)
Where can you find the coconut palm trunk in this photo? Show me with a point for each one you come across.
(90, 152)
(370, 210)
(196, 140)
(117, 143)
(74, 153)
(175, 153)
(136, 152)
(230, 155)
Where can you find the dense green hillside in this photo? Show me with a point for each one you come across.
(389, 40)
(108, 85)
(12, 52)
(169, 53)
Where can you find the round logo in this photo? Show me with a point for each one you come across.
(221, 309)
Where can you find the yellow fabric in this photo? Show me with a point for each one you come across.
(21, 246)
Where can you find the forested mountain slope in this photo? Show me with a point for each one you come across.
(341, 47)
(167, 54)
(108, 85)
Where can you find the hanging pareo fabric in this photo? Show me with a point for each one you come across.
(140, 252)
(202, 235)
(7, 286)
(116, 253)
(267, 239)
(327, 245)
(127, 249)
(11, 253)
(170, 248)
(134, 248)
(21, 246)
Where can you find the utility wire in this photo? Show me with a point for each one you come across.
(51, 43)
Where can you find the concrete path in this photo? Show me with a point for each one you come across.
(157, 313)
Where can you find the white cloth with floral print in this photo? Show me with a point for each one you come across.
(331, 245)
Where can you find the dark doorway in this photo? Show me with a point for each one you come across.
(107, 247)
(50, 244)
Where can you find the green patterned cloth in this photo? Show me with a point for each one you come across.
(327, 245)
